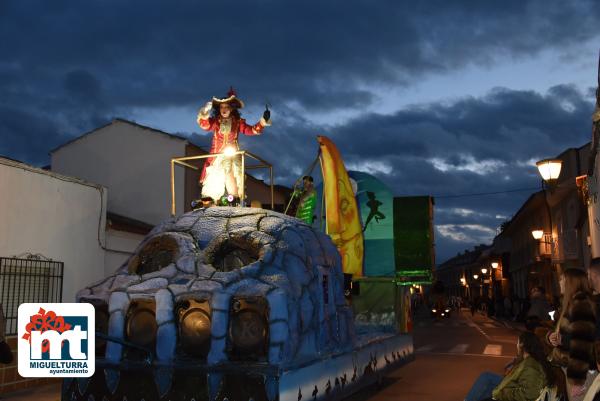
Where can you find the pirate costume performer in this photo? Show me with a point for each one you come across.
(224, 172)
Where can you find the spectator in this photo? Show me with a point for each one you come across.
(491, 310)
(499, 309)
(516, 308)
(525, 305)
(594, 279)
(525, 380)
(5, 353)
(484, 304)
(537, 314)
(573, 338)
(507, 307)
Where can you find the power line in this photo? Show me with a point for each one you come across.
(486, 193)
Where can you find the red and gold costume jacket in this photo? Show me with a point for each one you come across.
(226, 135)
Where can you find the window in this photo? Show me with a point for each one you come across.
(32, 279)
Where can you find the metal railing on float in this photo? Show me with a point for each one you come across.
(183, 161)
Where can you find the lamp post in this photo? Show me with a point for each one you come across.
(493, 272)
(549, 169)
(483, 288)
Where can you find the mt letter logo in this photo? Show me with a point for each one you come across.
(56, 340)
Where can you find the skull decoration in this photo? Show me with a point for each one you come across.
(221, 286)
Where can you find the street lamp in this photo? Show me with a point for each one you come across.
(493, 279)
(483, 288)
(537, 234)
(549, 169)
(475, 277)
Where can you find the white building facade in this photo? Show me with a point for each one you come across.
(133, 162)
(58, 217)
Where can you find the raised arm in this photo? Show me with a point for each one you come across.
(257, 128)
(204, 120)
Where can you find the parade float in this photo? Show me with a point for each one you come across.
(240, 303)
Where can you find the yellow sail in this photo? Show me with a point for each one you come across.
(342, 217)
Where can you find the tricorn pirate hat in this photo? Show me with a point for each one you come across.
(231, 99)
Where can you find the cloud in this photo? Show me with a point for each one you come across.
(492, 138)
(321, 55)
(370, 166)
(27, 136)
(474, 145)
(469, 233)
(461, 212)
(323, 66)
(502, 133)
(467, 163)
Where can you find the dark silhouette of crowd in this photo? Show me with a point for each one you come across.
(558, 355)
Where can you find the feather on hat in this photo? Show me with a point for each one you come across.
(231, 99)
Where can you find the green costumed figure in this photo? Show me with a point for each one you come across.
(308, 200)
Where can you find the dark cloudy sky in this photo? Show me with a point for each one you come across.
(437, 97)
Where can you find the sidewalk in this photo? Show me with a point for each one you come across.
(509, 323)
(49, 392)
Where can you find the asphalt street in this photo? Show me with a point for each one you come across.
(450, 354)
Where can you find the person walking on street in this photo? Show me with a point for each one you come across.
(507, 307)
(525, 305)
(516, 307)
